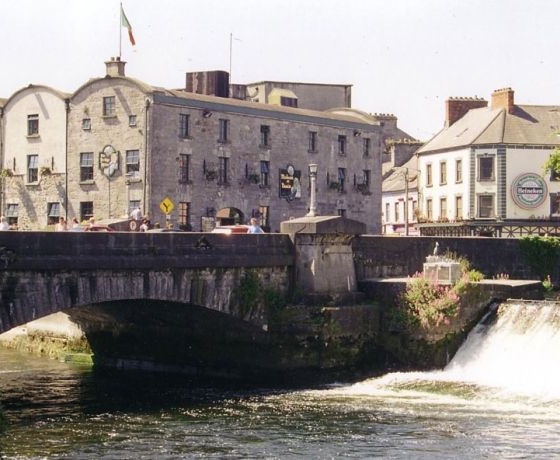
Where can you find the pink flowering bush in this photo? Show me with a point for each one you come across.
(425, 304)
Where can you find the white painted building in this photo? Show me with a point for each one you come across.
(484, 170)
(34, 133)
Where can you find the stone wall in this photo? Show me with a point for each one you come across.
(383, 257)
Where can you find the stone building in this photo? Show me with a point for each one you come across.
(187, 159)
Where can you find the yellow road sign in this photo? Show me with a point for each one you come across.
(166, 205)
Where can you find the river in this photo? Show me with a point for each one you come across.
(498, 398)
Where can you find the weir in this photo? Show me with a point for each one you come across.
(515, 346)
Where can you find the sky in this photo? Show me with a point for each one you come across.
(403, 57)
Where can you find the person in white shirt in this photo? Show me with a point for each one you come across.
(4, 224)
(254, 227)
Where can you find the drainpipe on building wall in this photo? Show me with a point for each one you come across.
(144, 185)
(67, 101)
(2, 160)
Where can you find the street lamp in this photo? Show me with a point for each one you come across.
(312, 197)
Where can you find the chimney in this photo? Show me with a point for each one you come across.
(210, 83)
(457, 107)
(115, 67)
(503, 99)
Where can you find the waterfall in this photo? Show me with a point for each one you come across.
(516, 347)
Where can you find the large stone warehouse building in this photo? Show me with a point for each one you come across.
(183, 157)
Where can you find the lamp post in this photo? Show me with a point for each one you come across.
(312, 197)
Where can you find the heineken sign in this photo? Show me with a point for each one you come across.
(529, 190)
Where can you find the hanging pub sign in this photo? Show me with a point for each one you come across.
(529, 190)
(290, 183)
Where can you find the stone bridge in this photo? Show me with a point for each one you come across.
(46, 272)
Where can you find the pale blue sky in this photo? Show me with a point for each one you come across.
(404, 57)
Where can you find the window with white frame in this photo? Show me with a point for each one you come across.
(458, 207)
(109, 109)
(33, 125)
(486, 206)
(132, 162)
(32, 168)
(12, 212)
(53, 213)
(458, 171)
(443, 208)
(443, 172)
(86, 166)
(428, 175)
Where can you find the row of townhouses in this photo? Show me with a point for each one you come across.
(194, 157)
(481, 175)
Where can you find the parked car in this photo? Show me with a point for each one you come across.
(98, 228)
(231, 229)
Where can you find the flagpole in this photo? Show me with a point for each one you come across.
(120, 32)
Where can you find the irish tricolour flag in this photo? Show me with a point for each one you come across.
(125, 23)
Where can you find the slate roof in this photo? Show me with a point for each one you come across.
(527, 125)
(395, 181)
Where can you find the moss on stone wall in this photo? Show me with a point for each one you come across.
(69, 349)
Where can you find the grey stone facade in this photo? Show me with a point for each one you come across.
(129, 143)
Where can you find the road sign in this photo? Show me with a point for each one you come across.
(166, 205)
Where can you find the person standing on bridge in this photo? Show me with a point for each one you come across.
(254, 226)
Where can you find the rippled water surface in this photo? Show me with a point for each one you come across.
(498, 398)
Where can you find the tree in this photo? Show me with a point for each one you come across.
(552, 165)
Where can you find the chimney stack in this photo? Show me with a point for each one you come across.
(115, 67)
(457, 107)
(503, 99)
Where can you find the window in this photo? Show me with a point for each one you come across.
(12, 213)
(342, 145)
(53, 213)
(109, 106)
(387, 212)
(184, 215)
(132, 120)
(265, 136)
(341, 179)
(312, 141)
(459, 208)
(183, 125)
(132, 162)
(33, 125)
(485, 206)
(288, 101)
(265, 217)
(443, 172)
(86, 124)
(485, 168)
(86, 210)
(265, 167)
(132, 205)
(224, 128)
(443, 209)
(367, 179)
(223, 170)
(429, 209)
(555, 204)
(367, 146)
(184, 167)
(397, 213)
(458, 170)
(86, 166)
(341, 212)
(428, 175)
(32, 168)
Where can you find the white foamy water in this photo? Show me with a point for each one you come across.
(510, 362)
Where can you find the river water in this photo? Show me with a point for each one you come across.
(498, 398)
